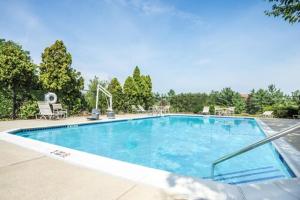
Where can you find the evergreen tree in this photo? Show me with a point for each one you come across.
(116, 90)
(57, 75)
(131, 93)
(90, 96)
(140, 85)
(148, 94)
(17, 73)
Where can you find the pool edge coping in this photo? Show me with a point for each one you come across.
(279, 145)
(154, 177)
(132, 172)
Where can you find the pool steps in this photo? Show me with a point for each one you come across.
(249, 175)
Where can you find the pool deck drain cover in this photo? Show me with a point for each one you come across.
(60, 153)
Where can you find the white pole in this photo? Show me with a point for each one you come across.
(97, 96)
(110, 103)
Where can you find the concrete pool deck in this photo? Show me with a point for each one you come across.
(26, 174)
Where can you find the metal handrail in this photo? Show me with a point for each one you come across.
(253, 146)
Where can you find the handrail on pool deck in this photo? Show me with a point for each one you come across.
(253, 146)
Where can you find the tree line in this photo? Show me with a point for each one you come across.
(23, 83)
(254, 103)
(137, 90)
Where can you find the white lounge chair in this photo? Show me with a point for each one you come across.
(205, 110)
(141, 109)
(166, 109)
(45, 111)
(230, 110)
(134, 109)
(59, 111)
(155, 110)
(267, 114)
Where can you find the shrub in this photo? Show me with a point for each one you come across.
(5, 106)
(212, 109)
(285, 111)
(268, 108)
(29, 109)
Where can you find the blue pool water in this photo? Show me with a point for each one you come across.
(180, 144)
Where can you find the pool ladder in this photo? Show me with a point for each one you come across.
(253, 146)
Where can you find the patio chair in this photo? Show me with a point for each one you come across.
(155, 110)
(267, 114)
(141, 109)
(95, 115)
(230, 110)
(45, 111)
(166, 109)
(205, 110)
(59, 111)
(134, 109)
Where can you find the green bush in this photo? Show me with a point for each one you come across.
(212, 109)
(286, 111)
(268, 108)
(29, 109)
(189, 102)
(197, 108)
(5, 106)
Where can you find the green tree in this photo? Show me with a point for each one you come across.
(296, 97)
(147, 94)
(227, 97)
(131, 93)
(171, 93)
(138, 90)
(189, 102)
(5, 105)
(256, 101)
(90, 96)
(274, 95)
(239, 104)
(17, 73)
(57, 75)
(289, 10)
(116, 90)
(140, 85)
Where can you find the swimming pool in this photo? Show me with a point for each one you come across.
(184, 145)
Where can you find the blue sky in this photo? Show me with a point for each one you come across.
(186, 45)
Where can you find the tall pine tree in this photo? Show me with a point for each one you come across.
(116, 90)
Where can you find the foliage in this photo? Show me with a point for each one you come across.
(116, 90)
(143, 85)
(5, 105)
(171, 93)
(57, 75)
(17, 73)
(131, 93)
(239, 104)
(189, 102)
(296, 97)
(29, 109)
(286, 111)
(227, 98)
(264, 97)
(289, 10)
(139, 84)
(90, 96)
(147, 95)
(212, 109)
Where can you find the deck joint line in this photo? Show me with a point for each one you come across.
(126, 192)
(24, 161)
